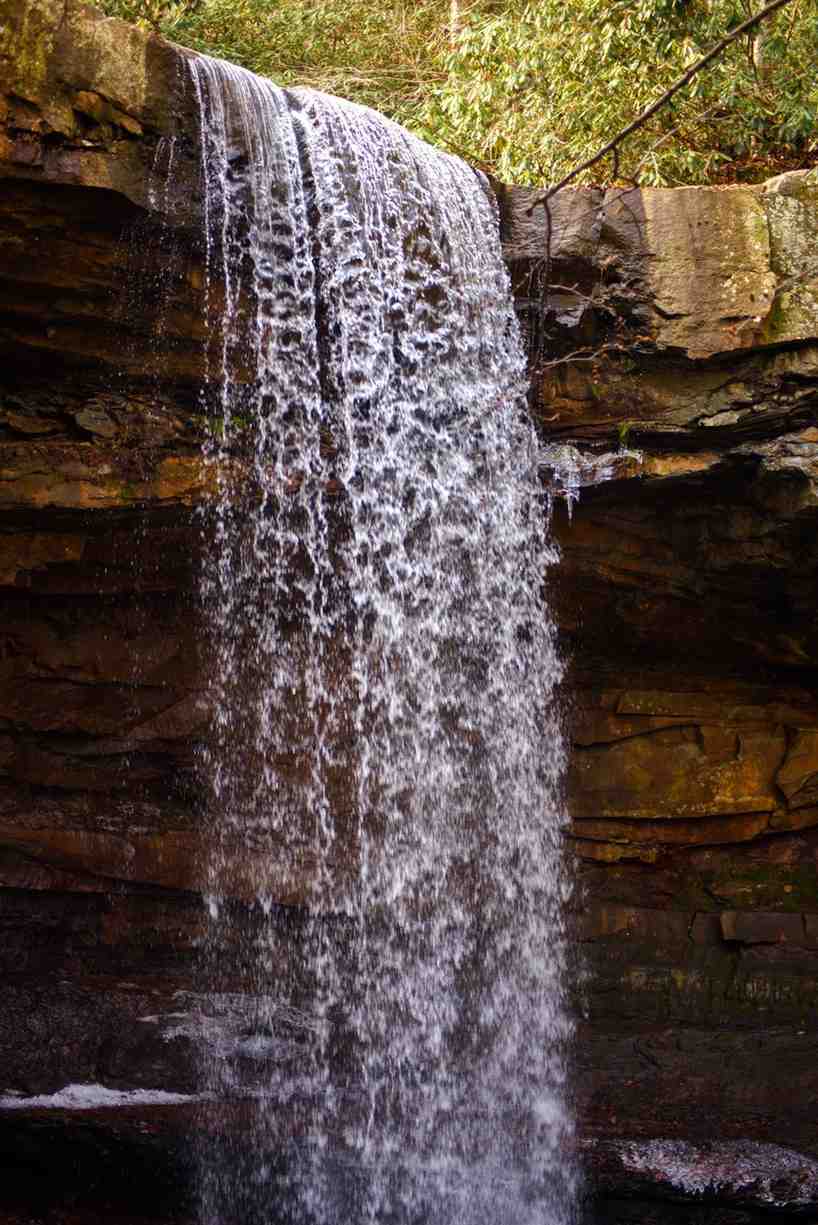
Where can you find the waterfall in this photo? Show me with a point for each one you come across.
(386, 945)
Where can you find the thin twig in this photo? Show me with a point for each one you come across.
(584, 355)
(684, 79)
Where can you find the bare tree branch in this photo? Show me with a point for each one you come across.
(687, 76)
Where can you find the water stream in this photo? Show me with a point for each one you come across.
(386, 896)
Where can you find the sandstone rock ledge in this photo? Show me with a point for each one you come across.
(674, 341)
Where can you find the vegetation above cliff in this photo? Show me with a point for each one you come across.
(528, 90)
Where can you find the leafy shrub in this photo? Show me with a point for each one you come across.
(528, 90)
(381, 55)
(532, 89)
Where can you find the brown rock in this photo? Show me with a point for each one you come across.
(96, 422)
(172, 860)
(96, 107)
(679, 772)
(658, 928)
(762, 928)
(709, 267)
(24, 424)
(705, 929)
(24, 552)
(794, 819)
(798, 776)
(702, 832)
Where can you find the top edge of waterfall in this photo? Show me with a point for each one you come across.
(298, 97)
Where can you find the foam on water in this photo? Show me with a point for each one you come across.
(383, 680)
(94, 1097)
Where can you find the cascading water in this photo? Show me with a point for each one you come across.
(385, 749)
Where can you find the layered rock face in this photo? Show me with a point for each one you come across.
(679, 381)
(674, 340)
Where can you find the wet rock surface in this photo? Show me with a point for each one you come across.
(733, 1172)
(675, 357)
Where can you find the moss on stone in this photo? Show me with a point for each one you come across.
(27, 30)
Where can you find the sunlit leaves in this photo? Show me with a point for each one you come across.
(568, 74)
(528, 90)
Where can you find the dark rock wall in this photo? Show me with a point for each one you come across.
(674, 341)
(676, 368)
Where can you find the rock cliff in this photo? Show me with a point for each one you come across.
(674, 341)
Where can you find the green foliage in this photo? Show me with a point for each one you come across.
(530, 89)
(381, 55)
(623, 430)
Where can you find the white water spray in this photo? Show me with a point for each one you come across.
(385, 750)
